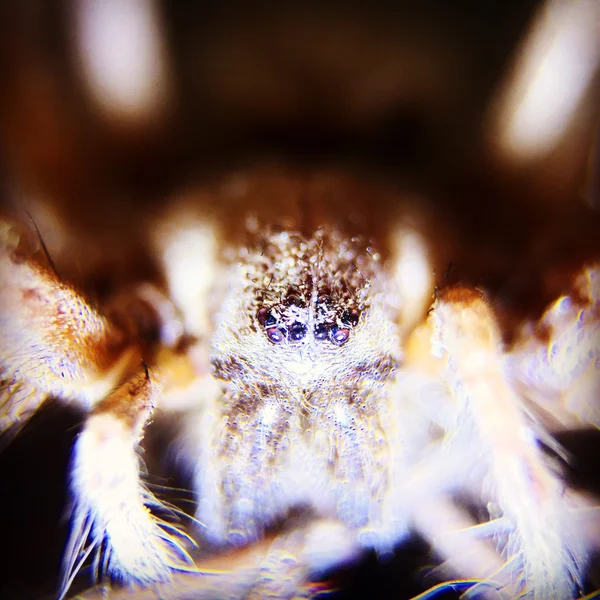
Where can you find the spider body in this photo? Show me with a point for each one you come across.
(313, 380)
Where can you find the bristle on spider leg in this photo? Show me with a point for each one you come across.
(79, 548)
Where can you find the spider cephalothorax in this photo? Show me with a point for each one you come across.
(306, 343)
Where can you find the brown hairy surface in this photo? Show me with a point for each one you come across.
(216, 291)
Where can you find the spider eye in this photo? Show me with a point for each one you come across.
(321, 331)
(265, 317)
(325, 300)
(339, 336)
(294, 300)
(276, 334)
(350, 317)
(297, 331)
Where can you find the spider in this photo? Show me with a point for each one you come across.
(332, 397)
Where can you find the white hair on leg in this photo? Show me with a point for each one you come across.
(111, 505)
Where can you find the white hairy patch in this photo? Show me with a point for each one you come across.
(109, 507)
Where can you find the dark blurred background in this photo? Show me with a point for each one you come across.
(110, 103)
(106, 108)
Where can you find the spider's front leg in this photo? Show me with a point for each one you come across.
(55, 344)
(110, 513)
(537, 535)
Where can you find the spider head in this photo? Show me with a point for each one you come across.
(314, 315)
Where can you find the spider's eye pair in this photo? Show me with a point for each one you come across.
(338, 335)
(295, 333)
(277, 333)
(328, 331)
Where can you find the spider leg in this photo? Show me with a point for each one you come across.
(556, 362)
(274, 567)
(492, 427)
(55, 344)
(110, 503)
(426, 489)
(52, 342)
